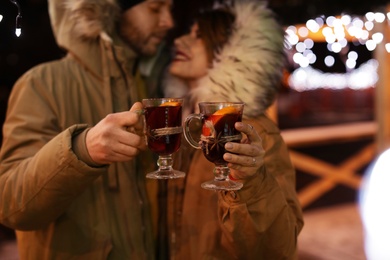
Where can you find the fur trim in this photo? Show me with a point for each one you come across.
(250, 65)
(174, 86)
(93, 17)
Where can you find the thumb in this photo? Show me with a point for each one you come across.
(137, 108)
(138, 127)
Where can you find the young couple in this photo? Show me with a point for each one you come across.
(72, 177)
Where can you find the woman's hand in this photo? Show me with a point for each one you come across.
(245, 158)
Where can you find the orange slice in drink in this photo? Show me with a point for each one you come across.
(215, 117)
(170, 104)
(225, 110)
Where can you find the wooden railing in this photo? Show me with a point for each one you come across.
(330, 175)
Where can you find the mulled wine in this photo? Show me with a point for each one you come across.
(218, 120)
(217, 130)
(163, 130)
(161, 123)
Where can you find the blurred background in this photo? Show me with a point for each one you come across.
(329, 107)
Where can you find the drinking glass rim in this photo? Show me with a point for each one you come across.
(168, 99)
(152, 102)
(221, 102)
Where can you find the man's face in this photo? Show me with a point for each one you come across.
(145, 25)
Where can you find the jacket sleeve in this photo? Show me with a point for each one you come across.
(263, 219)
(39, 173)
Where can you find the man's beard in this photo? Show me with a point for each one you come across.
(139, 42)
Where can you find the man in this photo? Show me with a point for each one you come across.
(71, 181)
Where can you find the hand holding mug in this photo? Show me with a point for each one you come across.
(218, 120)
(110, 141)
(244, 158)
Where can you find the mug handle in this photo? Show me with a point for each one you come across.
(187, 133)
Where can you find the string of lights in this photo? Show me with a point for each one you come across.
(336, 33)
(18, 26)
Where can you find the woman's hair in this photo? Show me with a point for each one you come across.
(246, 49)
(215, 28)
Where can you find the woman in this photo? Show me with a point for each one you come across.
(234, 54)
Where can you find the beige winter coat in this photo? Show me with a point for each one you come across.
(264, 218)
(260, 221)
(60, 207)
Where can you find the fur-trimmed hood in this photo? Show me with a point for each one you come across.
(250, 65)
(87, 29)
(80, 20)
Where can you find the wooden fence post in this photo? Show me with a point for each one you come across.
(382, 90)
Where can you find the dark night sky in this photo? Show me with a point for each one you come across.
(299, 11)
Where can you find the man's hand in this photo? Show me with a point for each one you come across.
(118, 137)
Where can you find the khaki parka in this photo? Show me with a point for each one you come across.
(60, 207)
(260, 221)
(264, 218)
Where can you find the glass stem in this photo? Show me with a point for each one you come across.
(165, 162)
(221, 172)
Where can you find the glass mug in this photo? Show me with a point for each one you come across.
(163, 130)
(218, 119)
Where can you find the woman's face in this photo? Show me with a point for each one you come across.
(190, 60)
